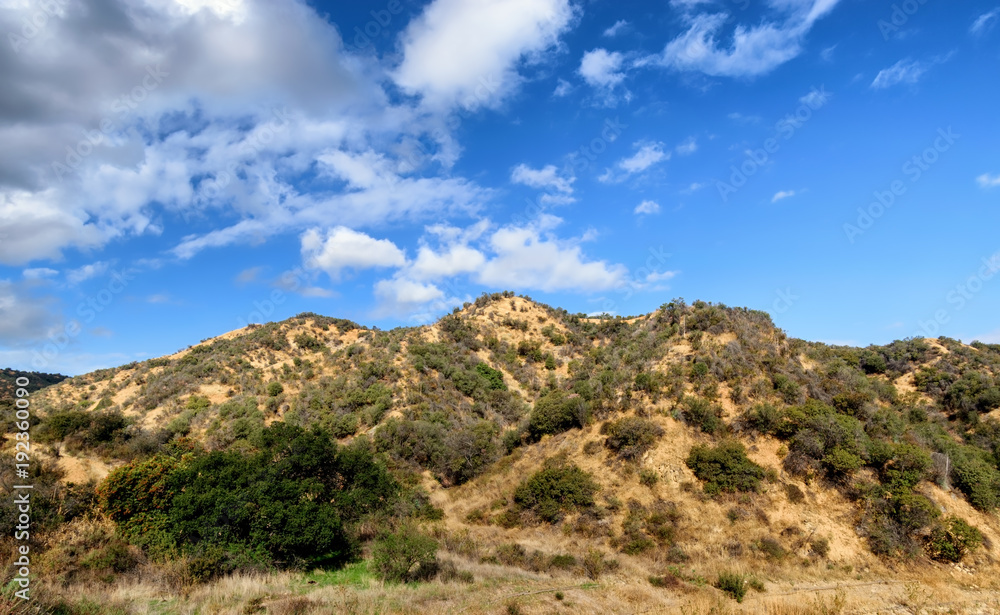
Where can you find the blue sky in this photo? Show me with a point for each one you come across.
(174, 169)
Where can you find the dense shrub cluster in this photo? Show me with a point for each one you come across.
(631, 436)
(555, 489)
(289, 503)
(725, 468)
(556, 412)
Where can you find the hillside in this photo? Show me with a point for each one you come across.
(671, 461)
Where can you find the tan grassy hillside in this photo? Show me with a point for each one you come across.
(578, 465)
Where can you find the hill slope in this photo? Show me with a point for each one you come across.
(678, 445)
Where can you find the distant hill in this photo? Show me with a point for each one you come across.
(36, 381)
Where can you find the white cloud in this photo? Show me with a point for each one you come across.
(988, 181)
(39, 273)
(454, 260)
(782, 194)
(647, 156)
(401, 293)
(688, 147)
(465, 52)
(816, 98)
(985, 22)
(662, 276)
(827, 54)
(343, 248)
(616, 28)
(601, 68)
(545, 178)
(904, 71)
(237, 106)
(529, 257)
(647, 207)
(563, 88)
(754, 50)
(75, 276)
(249, 275)
(694, 187)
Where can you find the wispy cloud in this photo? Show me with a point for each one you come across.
(755, 50)
(688, 147)
(616, 29)
(988, 181)
(782, 194)
(648, 154)
(904, 71)
(985, 22)
(75, 276)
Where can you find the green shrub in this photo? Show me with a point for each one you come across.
(725, 468)
(631, 436)
(556, 412)
(697, 411)
(733, 584)
(293, 479)
(307, 342)
(556, 488)
(493, 376)
(274, 389)
(873, 362)
(841, 464)
(404, 556)
(952, 539)
(978, 479)
(763, 418)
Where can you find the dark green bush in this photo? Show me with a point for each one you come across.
(555, 413)
(631, 436)
(952, 539)
(295, 480)
(554, 489)
(493, 376)
(274, 389)
(725, 468)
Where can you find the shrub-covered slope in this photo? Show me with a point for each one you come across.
(683, 440)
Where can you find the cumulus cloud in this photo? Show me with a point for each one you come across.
(343, 248)
(530, 257)
(647, 207)
(121, 110)
(516, 256)
(466, 52)
(753, 50)
(601, 68)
